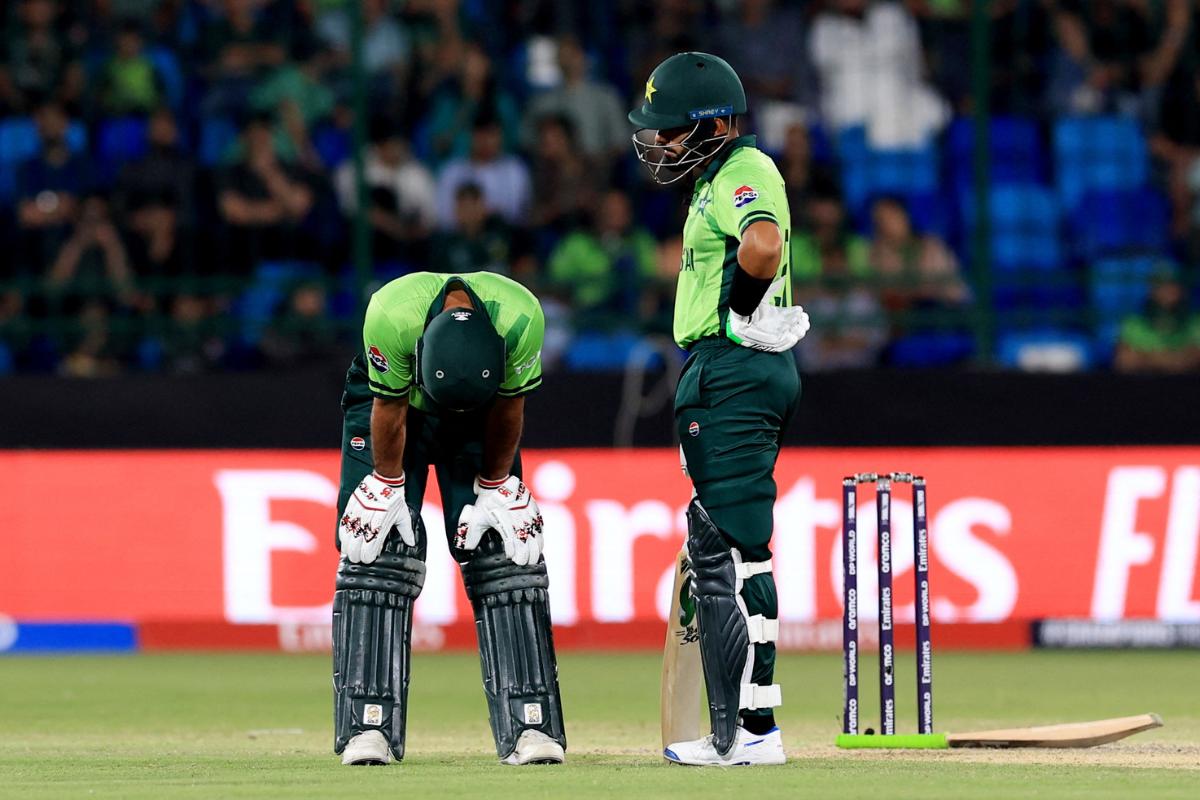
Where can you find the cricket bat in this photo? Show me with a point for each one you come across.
(682, 676)
(1073, 734)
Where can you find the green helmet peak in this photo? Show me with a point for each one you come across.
(460, 359)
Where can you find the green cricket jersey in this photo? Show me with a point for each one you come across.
(742, 185)
(399, 311)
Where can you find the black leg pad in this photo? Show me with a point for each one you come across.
(372, 641)
(516, 647)
(724, 635)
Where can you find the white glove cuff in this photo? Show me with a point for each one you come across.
(483, 484)
(389, 481)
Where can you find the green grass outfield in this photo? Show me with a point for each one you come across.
(186, 725)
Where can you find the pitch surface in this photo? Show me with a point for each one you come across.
(229, 725)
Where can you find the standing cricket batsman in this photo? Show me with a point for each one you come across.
(441, 383)
(733, 315)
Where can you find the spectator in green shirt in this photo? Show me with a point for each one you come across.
(295, 96)
(130, 84)
(918, 270)
(611, 268)
(1165, 337)
(826, 243)
(833, 277)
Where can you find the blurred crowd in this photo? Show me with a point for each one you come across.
(177, 187)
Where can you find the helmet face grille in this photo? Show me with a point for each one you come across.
(682, 91)
(664, 166)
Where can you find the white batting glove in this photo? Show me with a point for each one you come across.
(770, 328)
(507, 507)
(376, 506)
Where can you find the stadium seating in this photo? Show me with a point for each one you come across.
(119, 141)
(217, 137)
(272, 280)
(332, 144)
(931, 214)
(19, 142)
(1114, 221)
(1029, 268)
(867, 172)
(1015, 149)
(1075, 217)
(593, 350)
(170, 74)
(1046, 349)
(1098, 153)
(18, 139)
(934, 349)
(1024, 226)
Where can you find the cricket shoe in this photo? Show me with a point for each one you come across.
(366, 749)
(535, 747)
(749, 750)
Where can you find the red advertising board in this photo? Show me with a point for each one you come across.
(203, 537)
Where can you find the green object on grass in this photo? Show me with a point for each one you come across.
(899, 741)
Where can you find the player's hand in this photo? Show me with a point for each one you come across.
(770, 328)
(376, 506)
(508, 508)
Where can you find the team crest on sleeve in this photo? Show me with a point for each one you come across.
(377, 358)
(744, 195)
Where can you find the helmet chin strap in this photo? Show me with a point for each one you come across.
(694, 153)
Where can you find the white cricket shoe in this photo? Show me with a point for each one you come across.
(748, 750)
(367, 748)
(535, 747)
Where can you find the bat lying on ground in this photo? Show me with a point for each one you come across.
(1072, 734)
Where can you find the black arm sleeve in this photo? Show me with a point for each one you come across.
(746, 292)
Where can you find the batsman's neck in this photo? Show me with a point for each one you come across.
(457, 298)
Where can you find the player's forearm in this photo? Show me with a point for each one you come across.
(389, 419)
(502, 434)
(758, 259)
(761, 249)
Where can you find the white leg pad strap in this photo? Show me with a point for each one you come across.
(756, 696)
(762, 630)
(748, 569)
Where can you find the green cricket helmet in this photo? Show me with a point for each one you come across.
(685, 91)
(460, 359)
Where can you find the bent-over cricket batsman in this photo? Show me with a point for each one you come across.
(441, 382)
(738, 388)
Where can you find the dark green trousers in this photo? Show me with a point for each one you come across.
(731, 408)
(451, 445)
